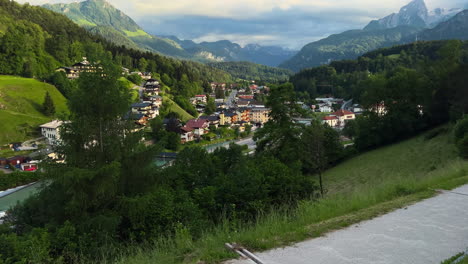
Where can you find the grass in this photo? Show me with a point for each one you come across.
(460, 258)
(138, 33)
(174, 107)
(134, 92)
(20, 107)
(84, 22)
(361, 188)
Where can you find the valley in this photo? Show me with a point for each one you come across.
(138, 147)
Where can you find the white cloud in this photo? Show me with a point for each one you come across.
(243, 9)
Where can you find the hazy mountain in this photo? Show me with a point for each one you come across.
(454, 28)
(100, 17)
(414, 14)
(225, 51)
(398, 28)
(347, 45)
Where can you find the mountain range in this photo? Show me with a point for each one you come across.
(99, 16)
(413, 22)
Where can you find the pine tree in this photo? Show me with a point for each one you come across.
(48, 106)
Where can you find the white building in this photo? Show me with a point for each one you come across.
(51, 131)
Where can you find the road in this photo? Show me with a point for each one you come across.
(426, 232)
(230, 99)
(346, 104)
(247, 141)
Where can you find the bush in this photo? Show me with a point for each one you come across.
(461, 136)
(17, 178)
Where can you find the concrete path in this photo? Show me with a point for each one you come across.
(427, 232)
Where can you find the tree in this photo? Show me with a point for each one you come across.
(210, 106)
(142, 64)
(280, 135)
(321, 147)
(173, 141)
(48, 106)
(96, 135)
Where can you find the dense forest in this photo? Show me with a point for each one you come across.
(406, 89)
(35, 41)
(251, 71)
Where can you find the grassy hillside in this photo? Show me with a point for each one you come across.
(174, 107)
(20, 107)
(361, 188)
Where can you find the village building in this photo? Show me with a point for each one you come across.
(344, 116)
(137, 118)
(260, 115)
(244, 114)
(199, 126)
(215, 85)
(201, 98)
(214, 120)
(243, 103)
(330, 120)
(145, 109)
(51, 131)
(186, 134)
(228, 118)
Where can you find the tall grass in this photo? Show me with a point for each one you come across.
(361, 188)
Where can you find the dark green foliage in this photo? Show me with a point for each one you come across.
(17, 178)
(135, 78)
(251, 71)
(418, 86)
(37, 41)
(186, 105)
(280, 136)
(461, 136)
(48, 106)
(64, 85)
(210, 106)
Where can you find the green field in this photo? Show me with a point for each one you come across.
(130, 85)
(176, 108)
(361, 188)
(20, 107)
(138, 33)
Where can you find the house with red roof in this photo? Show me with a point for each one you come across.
(331, 120)
(199, 126)
(344, 116)
(186, 134)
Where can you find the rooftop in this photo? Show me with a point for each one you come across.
(53, 124)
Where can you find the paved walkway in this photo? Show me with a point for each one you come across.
(427, 232)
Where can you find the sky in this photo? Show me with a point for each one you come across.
(286, 23)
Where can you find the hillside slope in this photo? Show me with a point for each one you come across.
(361, 188)
(347, 45)
(454, 28)
(251, 71)
(101, 17)
(20, 107)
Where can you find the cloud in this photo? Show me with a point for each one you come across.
(290, 23)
